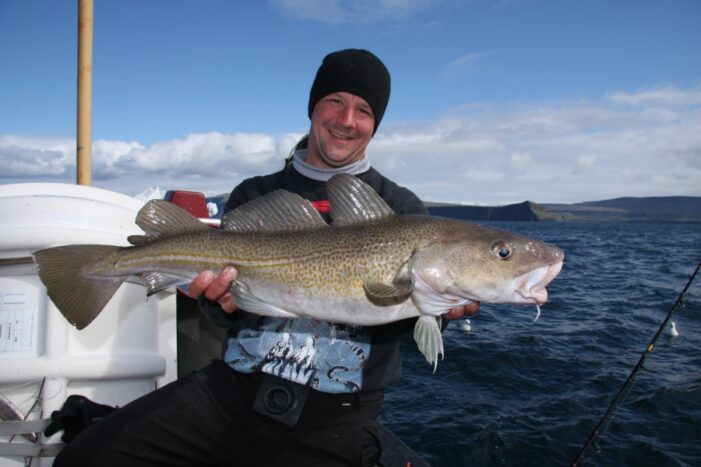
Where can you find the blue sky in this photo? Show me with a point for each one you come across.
(492, 102)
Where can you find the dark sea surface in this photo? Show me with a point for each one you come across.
(515, 392)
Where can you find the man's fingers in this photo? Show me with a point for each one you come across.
(227, 303)
(472, 308)
(199, 284)
(220, 286)
(464, 310)
(219, 290)
(455, 313)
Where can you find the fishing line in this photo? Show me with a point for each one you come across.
(623, 392)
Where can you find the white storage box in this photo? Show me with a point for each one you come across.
(126, 352)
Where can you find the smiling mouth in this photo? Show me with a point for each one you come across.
(341, 136)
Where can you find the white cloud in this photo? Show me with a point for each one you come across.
(462, 64)
(352, 11)
(520, 158)
(209, 162)
(108, 155)
(49, 157)
(666, 95)
(579, 151)
(204, 153)
(488, 154)
(586, 162)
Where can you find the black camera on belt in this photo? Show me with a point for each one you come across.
(280, 399)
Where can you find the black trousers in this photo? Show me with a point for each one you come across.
(205, 419)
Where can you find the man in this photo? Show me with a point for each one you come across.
(289, 391)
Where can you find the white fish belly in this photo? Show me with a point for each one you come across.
(349, 309)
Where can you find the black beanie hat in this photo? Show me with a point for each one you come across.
(355, 71)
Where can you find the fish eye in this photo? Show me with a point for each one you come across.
(502, 250)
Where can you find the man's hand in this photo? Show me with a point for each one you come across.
(215, 288)
(465, 310)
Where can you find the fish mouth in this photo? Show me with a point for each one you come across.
(530, 287)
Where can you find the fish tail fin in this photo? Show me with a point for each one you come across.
(79, 297)
(427, 334)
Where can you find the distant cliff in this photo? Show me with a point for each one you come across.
(526, 211)
(664, 208)
(660, 208)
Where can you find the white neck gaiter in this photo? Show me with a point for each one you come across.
(323, 175)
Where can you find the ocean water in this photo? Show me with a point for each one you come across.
(516, 392)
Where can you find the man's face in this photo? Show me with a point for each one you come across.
(342, 127)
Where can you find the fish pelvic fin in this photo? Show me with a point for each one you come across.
(157, 281)
(78, 297)
(427, 334)
(245, 299)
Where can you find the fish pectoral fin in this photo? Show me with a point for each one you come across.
(158, 281)
(427, 334)
(246, 300)
(382, 290)
(431, 302)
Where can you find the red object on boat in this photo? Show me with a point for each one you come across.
(193, 202)
(322, 206)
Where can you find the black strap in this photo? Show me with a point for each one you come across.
(77, 414)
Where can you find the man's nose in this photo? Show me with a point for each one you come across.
(346, 116)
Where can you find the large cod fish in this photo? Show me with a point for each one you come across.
(369, 267)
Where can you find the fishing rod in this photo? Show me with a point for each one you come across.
(623, 392)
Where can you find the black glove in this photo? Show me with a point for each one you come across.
(77, 414)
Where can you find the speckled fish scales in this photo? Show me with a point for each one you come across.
(368, 268)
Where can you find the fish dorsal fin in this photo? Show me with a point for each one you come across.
(159, 218)
(279, 210)
(353, 201)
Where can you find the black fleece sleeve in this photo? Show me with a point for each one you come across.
(216, 315)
